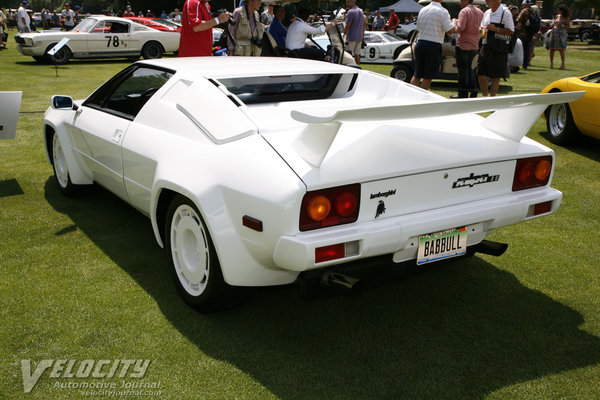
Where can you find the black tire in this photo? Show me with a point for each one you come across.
(402, 72)
(194, 263)
(61, 57)
(585, 35)
(559, 122)
(61, 168)
(152, 50)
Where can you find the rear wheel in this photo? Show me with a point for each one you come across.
(402, 72)
(152, 50)
(195, 266)
(560, 124)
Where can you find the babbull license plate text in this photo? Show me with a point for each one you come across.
(440, 245)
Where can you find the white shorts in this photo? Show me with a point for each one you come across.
(354, 48)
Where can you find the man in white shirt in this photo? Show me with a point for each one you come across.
(297, 33)
(23, 20)
(432, 23)
(69, 16)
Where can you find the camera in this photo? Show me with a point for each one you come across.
(256, 41)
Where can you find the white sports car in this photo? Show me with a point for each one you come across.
(254, 177)
(99, 37)
(381, 47)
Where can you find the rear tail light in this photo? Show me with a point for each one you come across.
(532, 172)
(328, 207)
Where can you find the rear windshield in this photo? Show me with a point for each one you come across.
(274, 89)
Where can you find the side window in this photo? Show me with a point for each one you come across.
(119, 27)
(372, 38)
(128, 92)
(100, 28)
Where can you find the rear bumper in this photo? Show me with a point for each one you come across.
(399, 235)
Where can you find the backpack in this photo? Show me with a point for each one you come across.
(535, 22)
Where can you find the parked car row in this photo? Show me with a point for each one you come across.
(99, 37)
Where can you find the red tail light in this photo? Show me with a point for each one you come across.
(328, 207)
(532, 172)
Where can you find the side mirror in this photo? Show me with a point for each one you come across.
(63, 103)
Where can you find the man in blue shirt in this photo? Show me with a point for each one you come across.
(276, 28)
(354, 29)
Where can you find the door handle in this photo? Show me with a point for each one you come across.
(117, 136)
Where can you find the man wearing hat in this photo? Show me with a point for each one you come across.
(526, 29)
(23, 20)
(128, 12)
(69, 16)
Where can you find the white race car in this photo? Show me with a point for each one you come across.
(99, 37)
(258, 171)
(381, 47)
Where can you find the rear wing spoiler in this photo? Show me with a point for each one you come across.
(512, 118)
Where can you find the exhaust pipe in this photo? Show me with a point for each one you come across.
(490, 247)
(339, 281)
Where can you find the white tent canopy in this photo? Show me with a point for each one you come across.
(403, 6)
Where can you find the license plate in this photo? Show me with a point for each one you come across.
(440, 245)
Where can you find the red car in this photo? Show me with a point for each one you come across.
(157, 23)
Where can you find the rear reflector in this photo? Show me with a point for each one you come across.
(252, 223)
(542, 208)
(336, 251)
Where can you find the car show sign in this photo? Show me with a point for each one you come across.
(58, 46)
(9, 113)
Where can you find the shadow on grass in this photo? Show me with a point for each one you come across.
(584, 146)
(10, 187)
(458, 330)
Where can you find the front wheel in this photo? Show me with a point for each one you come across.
(61, 57)
(152, 50)
(195, 266)
(402, 72)
(61, 168)
(560, 124)
(585, 35)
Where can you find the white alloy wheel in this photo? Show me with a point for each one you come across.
(61, 170)
(557, 119)
(190, 250)
(560, 124)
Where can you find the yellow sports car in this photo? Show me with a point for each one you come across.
(566, 121)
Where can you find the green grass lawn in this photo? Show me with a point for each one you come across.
(83, 279)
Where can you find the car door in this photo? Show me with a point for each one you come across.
(587, 108)
(109, 38)
(372, 51)
(102, 121)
